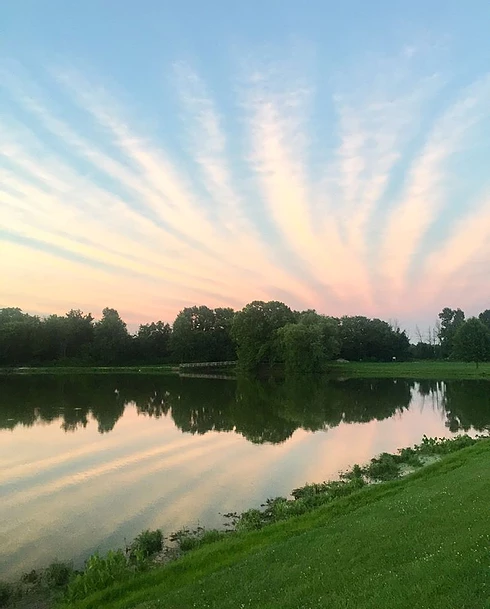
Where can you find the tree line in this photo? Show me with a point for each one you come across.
(261, 334)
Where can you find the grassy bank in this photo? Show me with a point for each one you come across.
(422, 541)
(435, 370)
(163, 369)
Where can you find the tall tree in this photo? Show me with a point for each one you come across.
(201, 334)
(362, 338)
(484, 317)
(112, 341)
(21, 338)
(223, 346)
(56, 331)
(153, 342)
(472, 342)
(306, 346)
(450, 321)
(80, 333)
(254, 330)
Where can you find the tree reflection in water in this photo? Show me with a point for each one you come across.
(260, 411)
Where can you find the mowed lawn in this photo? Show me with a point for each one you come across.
(421, 543)
(421, 370)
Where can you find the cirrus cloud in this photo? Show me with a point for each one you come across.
(102, 209)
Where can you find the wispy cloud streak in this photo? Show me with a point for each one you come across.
(425, 195)
(148, 226)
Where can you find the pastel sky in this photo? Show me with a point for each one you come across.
(332, 155)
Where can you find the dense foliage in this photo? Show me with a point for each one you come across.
(262, 333)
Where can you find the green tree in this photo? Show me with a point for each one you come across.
(21, 338)
(254, 330)
(472, 342)
(68, 336)
(79, 332)
(306, 346)
(153, 342)
(223, 345)
(112, 342)
(362, 338)
(423, 351)
(56, 332)
(190, 333)
(484, 317)
(201, 334)
(451, 320)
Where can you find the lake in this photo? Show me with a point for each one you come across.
(88, 462)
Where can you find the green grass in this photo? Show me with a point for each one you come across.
(166, 369)
(436, 370)
(423, 541)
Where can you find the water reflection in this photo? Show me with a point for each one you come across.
(259, 411)
(94, 460)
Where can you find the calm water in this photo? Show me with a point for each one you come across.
(88, 462)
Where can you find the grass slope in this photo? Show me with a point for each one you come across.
(436, 370)
(420, 542)
(55, 370)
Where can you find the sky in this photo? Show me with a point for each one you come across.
(332, 155)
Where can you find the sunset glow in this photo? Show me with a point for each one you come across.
(147, 167)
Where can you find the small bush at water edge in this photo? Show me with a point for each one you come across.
(58, 574)
(383, 468)
(189, 540)
(6, 593)
(147, 544)
(99, 573)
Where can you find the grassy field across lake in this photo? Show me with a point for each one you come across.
(436, 370)
(422, 541)
(164, 369)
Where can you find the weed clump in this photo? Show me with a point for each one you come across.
(99, 573)
(31, 577)
(188, 539)
(383, 468)
(6, 593)
(58, 574)
(444, 446)
(103, 571)
(147, 544)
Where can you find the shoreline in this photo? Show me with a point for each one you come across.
(52, 583)
(425, 370)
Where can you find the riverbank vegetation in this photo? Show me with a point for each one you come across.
(262, 334)
(411, 539)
